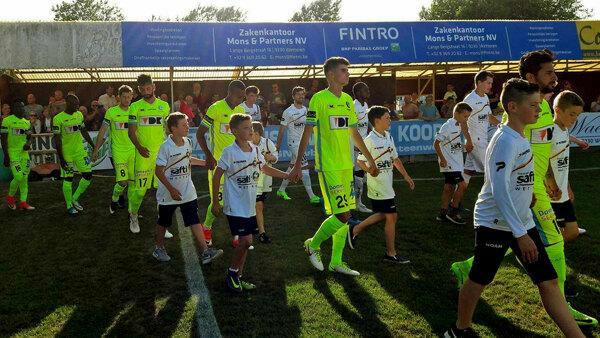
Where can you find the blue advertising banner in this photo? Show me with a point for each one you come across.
(272, 44)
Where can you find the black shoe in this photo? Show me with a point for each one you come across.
(570, 291)
(122, 202)
(453, 332)
(351, 237)
(233, 281)
(264, 238)
(441, 218)
(396, 259)
(114, 206)
(456, 219)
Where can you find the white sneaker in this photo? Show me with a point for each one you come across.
(77, 205)
(363, 208)
(168, 234)
(313, 255)
(134, 225)
(251, 247)
(344, 269)
(582, 231)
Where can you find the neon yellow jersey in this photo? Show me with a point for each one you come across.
(539, 135)
(117, 119)
(217, 120)
(150, 119)
(332, 117)
(17, 130)
(69, 126)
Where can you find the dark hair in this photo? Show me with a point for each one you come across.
(124, 89)
(252, 89)
(144, 79)
(173, 119)
(257, 127)
(334, 62)
(532, 62)
(462, 107)
(567, 99)
(237, 119)
(376, 112)
(482, 75)
(297, 89)
(358, 86)
(516, 90)
(236, 84)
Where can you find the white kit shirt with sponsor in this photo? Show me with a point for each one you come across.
(253, 111)
(241, 173)
(384, 153)
(478, 122)
(504, 200)
(178, 170)
(294, 119)
(559, 160)
(451, 145)
(362, 126)
(265, 182)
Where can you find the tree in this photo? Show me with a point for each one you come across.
(215, 14)
(87, 10)
(504, 10)
(319, 10)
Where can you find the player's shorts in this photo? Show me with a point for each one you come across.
(565, 213)
(144, 170)
(337, 188)
(384, 206)
(293, 147)
(189, 211)
(242, 226)
(476, 158)
(453, 177)
(210, 176)
(262, 197)
(124, 163)
(545, 220)
(80, 162)
(20, 164)
(491, 246)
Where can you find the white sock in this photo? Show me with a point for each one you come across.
(284, 185)
(307, 183)
(358, 188)
(466, 177)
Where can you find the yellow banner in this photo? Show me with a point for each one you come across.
(589, 38)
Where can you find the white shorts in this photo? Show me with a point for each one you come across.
(476, 158)
(293, 147)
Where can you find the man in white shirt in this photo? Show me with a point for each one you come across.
(250, 106)
(108, 100)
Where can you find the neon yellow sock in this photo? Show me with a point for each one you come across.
(136, 197)
(68, 193)
(117, 191)
(210, 218)
(14, 185)
(339, 242)
(556, 254)
(81, 188)
(24, 188)
(329, 227)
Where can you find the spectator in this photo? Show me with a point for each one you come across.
(5, 110)
(199, 98)
(36, 124)
(165, 97)
(32, 106)
(108, 100)
(448, 107)
(429, 111)
(277, 102)
(59, 105)
(250, 107)
(595, 106)
(214, 98)
(567, 85)
(177, 103)
(47, 120)
(414, 98)
(197, 117)
(92, 118)
(314, 87)
(450, 93)
(186, 106)
(409, 109)
(392, 108)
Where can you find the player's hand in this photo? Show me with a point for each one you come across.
(216, 208)
(211, 163)
(410, 182)
(469, 147)
(443, 163)
(95, 155)
(533, 201)
(295, 174)
(175, 194)
(529, 251)
(553, 191)
(372, 169)
(63, 164)
(582, 144)
(571, 196)
(144, 152)
(270, 158)
(6, 162)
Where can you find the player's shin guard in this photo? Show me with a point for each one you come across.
(307, 183)
(210, 218)
(81, 188)
(135, 196)
(67, 189)
(117, 191)
(329, 227)
(556, 253)
(14, 185)
(284, 184)
(24, 188)
(358, 188)
(339, 242)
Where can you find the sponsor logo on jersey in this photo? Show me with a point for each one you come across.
(385, 164)
(151, 121)
(121, 125)
(338, 122)
(563, 162)
(180, 171)
(456, 147)
(72, 129)
(542, 135)
(482, 118)
(18, 131)
(525, 178)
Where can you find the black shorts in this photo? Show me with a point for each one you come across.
(242, 226)
(491, 246)
(262, 197)
(384, 206)
(453, 177)
(189, 211)
(565, 213)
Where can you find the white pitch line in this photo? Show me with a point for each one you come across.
(205, 317)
